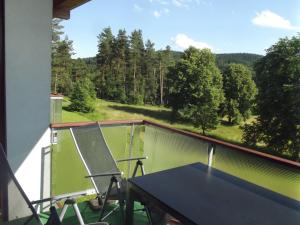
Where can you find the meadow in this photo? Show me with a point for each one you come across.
(106, 110)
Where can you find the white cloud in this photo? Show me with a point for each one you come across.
(182, 41)
(156, 14)
(166, 11)
(159, 13)
(137, 8)
(180, 3)
(204, 2)
(187, 3)
(162, 2)
(267, 18)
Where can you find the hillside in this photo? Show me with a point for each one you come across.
(247, 59)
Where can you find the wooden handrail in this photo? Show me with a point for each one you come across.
(107, 122)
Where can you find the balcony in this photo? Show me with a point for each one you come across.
(165, 148)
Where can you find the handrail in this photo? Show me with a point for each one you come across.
(107, 122)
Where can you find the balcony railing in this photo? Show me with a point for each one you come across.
(166, 148)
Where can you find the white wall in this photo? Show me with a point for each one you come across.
(28, 72)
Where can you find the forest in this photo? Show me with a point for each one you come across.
(201, 88)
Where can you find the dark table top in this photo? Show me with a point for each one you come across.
(207, 196)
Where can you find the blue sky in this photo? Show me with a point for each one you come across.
(224, 26)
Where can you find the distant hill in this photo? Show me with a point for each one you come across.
(91, 62)
(247, 59)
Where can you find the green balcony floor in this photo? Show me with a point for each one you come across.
(89, 216)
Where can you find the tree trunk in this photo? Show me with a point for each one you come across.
(134, 74)
(153, 89)
(124, 80)
(230, 119)
(161, 82)
(55, 83)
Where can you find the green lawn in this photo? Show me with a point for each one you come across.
(106, 110)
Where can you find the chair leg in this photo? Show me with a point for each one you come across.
(148, 215)
(138, 164)
(106, 198)
(63, 212)
(121, 201)
(78, 214)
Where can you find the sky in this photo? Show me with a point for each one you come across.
(224, 26)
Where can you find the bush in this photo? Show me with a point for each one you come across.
(83, 96)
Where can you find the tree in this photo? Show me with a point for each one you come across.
(135, 84)
(278, 105)
(105, 79)
(83, 96)
(240, 91)
(151, 85)
(62, 66)
(121, 54)
(61, 60)
(79, 69)
(165, 61)
(195, 85)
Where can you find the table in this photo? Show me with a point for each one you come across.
(198, 194)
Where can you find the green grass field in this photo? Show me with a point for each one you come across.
(106, 110)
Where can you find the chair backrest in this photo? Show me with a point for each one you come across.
(7, 176)
(95, 154)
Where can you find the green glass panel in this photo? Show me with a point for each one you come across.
(167, 149)
(119, 142)
(265, 173)
(68, 171)
(56, 110)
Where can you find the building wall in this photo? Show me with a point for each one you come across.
(28, 73)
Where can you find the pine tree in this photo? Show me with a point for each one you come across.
(121, 54)
(105, 79)
(165, 61)
(83, 96)
(151, 78)
(79, 69)
(135, 84)
(61, 66)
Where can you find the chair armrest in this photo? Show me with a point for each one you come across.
(41, 201)
(104, 174)
(61, 197)
(132, 159)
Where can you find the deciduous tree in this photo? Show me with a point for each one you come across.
(195, 85)
(278, 105)
(240, 91)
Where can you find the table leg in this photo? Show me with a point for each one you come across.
(129, 209)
